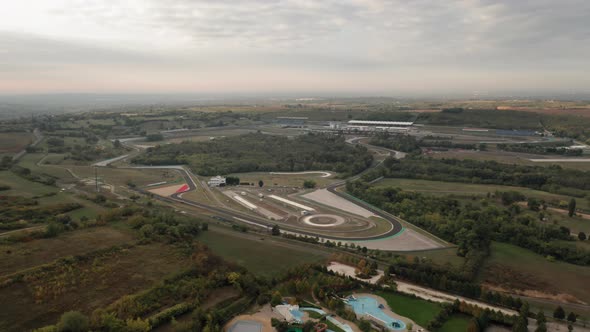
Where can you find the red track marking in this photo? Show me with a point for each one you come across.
(182, 189)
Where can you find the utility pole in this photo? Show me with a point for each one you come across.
(96, 178)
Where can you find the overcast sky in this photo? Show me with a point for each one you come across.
(359, 46)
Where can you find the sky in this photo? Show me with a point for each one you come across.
(396, 47)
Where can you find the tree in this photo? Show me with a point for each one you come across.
(410, 326)
(582, 236)
(260, 183)
(571, 207)
(309, 184)
(473, 325)
(571, 317)
(520, 325)
(364, 325)
(117, 143)
(276, 299)
(541, 322)
(204, 226)
(154, 137)
(559, 313)
(73, 321)
(276, 230)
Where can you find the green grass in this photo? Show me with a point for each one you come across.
(512, 267)
(439, 256)
(267, 257)
(455, 323)
(467, 189)
(295, 180)
(23, 187)
(418, 310)
(333, 327)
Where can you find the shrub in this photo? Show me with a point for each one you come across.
(73, 321)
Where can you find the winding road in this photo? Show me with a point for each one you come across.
(261, 222)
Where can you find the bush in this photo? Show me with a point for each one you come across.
(309, 184)
(73, 321)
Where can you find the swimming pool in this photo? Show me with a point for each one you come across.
(297, 315)
(370, 307)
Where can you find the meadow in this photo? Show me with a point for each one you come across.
(262, 255)
(467, 189)
(521, 270)
(418, 310)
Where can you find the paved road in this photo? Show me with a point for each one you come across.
(264, 223)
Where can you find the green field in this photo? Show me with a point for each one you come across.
(23, 187)
(512, 267)
(455, 324)
(295, 180)
(261, 255)
(440, 256)
(14, 142)
(418, 310)
(467, 189)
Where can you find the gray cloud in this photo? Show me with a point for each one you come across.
(473, 38)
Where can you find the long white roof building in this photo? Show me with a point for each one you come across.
(380, 123)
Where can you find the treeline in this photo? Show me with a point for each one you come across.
(472, 227)
(552, 179)
(257, 152)
(399, 142)
(540, 149)
(485, 118)
(410, 144)
(16, 209)
(84, 151)
(26, 173)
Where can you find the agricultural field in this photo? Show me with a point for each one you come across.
(467, 189)
(507, 158)
(439, 256)
(41, 298)
(23, 187)
(515, 269)
(13, 142)
(20, 256)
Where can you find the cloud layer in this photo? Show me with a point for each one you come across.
(229, 46)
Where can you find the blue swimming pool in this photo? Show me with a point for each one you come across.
(297, 314)
(369, 306)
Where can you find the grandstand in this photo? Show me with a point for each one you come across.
(380, 123)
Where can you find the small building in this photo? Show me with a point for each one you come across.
(216, 181)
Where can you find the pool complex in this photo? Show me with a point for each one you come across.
(344, 327)
(297, 315)
(368, 306)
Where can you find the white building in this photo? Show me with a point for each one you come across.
(381, 123)
(216, 181)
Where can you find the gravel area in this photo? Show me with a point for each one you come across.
(409, 240)
(323, 196)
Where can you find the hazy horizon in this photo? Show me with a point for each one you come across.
(260, 47)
